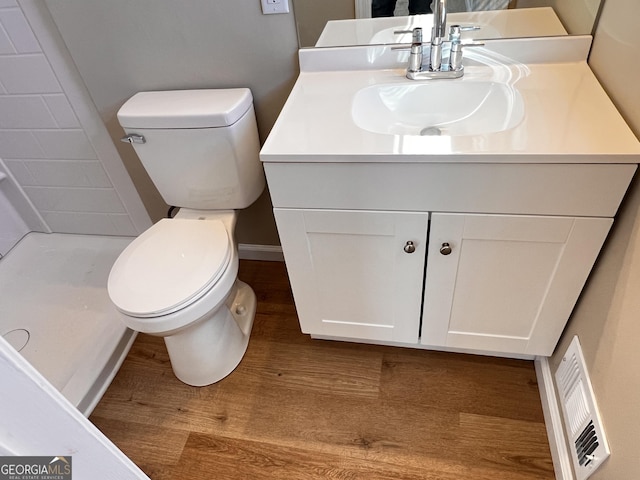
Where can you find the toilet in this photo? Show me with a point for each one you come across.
(178, 279)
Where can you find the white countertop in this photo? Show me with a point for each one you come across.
(568, 119)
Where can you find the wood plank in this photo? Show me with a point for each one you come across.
(145, 444)
(145, 391)
(315, 367)
(463, 383)
(310, 409)
(209, 457)
(514, 443)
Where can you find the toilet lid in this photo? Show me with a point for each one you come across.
(169, 266)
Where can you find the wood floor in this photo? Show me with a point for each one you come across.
(298, 408)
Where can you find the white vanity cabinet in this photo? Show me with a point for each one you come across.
(522, 185)
(489, 258)
(356, 274)
(505, 283)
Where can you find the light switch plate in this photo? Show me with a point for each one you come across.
(274, 6)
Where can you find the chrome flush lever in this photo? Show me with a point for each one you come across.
(133, 138)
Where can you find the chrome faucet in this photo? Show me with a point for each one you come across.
(438, 34)
(435, 68)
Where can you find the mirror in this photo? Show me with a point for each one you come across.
(331, 23)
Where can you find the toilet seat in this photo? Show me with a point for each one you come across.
(169, 267)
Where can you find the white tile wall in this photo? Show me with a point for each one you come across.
(98, 224)
(61, 110)
(18, 143)
(5, 42)
(43, 144)
(27, 73)
(59, 173)
(60, 143)
(87, 200)
(12, 225)
(26, 112)
(22, 38)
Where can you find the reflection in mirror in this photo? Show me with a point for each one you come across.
(387, 8)
(331, 22)
(390, 8)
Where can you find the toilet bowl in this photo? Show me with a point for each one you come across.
(178, 280)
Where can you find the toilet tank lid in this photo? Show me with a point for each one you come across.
(185, 108)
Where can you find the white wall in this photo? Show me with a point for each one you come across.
(50, 152)
(607, 316)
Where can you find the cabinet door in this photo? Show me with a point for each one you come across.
(509, 283)
(350, 274)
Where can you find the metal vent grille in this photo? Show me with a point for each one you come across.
(589, 446)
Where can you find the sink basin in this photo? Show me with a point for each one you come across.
(438, 107)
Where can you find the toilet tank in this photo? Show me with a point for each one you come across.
(201, 147)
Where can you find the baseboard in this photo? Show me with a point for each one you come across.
(553, 421)
(270, 253)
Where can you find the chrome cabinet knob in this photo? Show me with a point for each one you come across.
(409, 247)
(445, 249)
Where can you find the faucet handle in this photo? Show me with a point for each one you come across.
(455, 55)
(416, 32)
(415, 57)
(455, 31)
